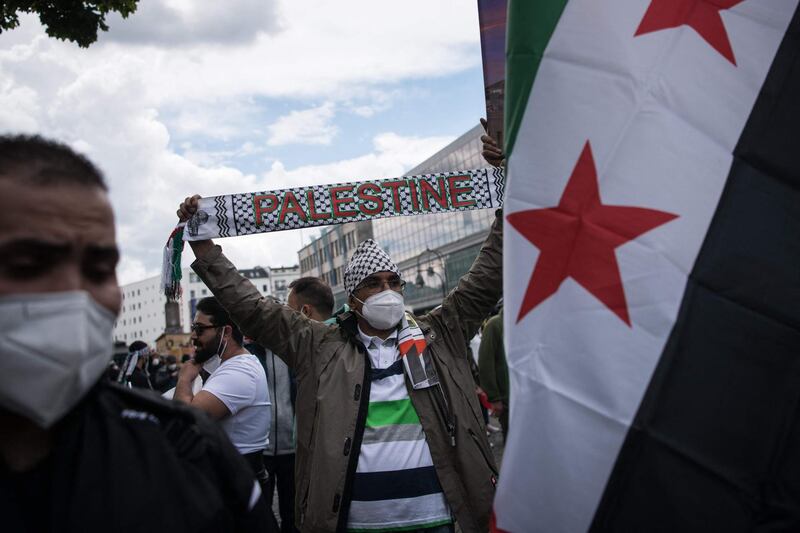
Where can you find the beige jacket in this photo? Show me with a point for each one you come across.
(332, 369)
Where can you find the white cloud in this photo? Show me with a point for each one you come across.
(392, 156)
(324, 50)
(104, 112)
(215, 158)
(219, 119)
(130, 270)
(376, 102)
(188, 22)
(19, 106)
(134, 109)
(309, 126)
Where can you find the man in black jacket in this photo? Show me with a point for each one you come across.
(78, 453)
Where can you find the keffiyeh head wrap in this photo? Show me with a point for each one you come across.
(368, 259)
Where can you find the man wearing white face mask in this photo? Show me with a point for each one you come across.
(75, 450)
(390, 435)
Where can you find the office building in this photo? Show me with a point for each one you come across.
(142, 314)
(281, 278)
(143, 317)
(434, 251)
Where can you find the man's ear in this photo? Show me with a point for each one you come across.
(352, 302)
(307, 310)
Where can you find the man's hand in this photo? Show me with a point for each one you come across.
(186, 376)
(492, 153)
(188, 207)
(189, 371)
(203, 400)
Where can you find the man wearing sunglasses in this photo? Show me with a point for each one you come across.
(236, 392)
(389, 432)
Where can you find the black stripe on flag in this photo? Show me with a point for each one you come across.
(374, 486)
(715, 445)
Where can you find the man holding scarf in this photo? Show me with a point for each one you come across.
(373, 452)
(389, 431)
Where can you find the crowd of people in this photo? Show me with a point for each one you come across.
(363, 419)
(150, 370)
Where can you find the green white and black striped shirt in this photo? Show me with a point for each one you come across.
(395, 486)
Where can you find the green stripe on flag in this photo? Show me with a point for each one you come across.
(391, 412)
(530, 25)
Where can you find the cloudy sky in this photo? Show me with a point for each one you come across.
(221, 97)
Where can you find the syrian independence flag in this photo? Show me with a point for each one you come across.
(652, 266)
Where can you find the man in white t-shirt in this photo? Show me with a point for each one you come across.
(236, 392)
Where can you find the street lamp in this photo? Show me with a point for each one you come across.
(420, 281)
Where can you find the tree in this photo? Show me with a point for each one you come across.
(71, 20)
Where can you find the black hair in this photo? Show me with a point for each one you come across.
(219, 316)
(135, 346)
(314, 291)
(41, 161)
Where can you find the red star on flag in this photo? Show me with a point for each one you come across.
(700, 15)
(577, 240)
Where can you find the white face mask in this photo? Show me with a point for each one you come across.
(53, 348)
(383, 310)
(212, 364)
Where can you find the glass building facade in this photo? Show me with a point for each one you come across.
(434, 251)
(407, 237)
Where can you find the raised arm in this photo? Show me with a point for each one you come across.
(479, 289)
(273, 325)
